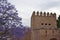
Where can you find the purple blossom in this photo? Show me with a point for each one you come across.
(10, 21)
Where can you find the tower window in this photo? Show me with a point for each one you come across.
(41, 23)
(49, 24)
(45, 23)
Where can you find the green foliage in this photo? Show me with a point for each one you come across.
(58, 22)
(59, 18)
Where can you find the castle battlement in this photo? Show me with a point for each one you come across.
(44, 20)
(44, 14)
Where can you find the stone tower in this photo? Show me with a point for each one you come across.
(44, 26)
(43, 20)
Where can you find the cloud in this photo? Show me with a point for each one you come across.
(49, 5)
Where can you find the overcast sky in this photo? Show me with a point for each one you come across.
(26, 7)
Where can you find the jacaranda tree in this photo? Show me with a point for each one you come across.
(9, 19)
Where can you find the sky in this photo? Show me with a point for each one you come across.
(26, 7)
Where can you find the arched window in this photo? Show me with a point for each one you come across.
(53, 39)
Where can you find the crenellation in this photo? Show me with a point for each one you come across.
(47, 13)
(37, 13)
(41, 13)
(54, 14)
(33, 14)
(51, 14)
(44, 14)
